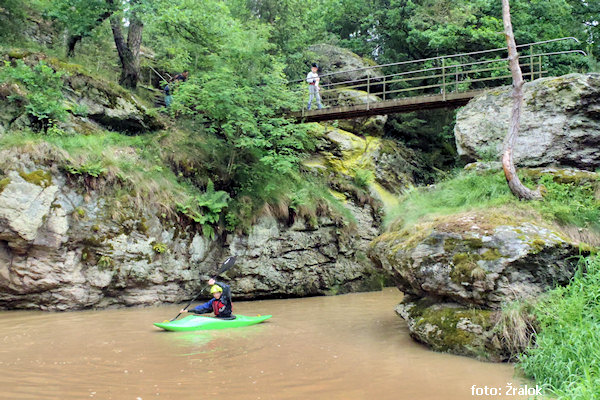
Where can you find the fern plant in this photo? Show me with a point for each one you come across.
(205, 209)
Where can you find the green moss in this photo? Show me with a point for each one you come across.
(473, 243)
(538, 245)
(18, 54)
(448, 337)
(38, 177)
(141, 226)
(67, 67)
(491, 255)
(561, 176)
(105, 262)
(3, 183)
(464, 265)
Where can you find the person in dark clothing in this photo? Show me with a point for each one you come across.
(220, 304)
(182, 77)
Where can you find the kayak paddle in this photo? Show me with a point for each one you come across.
(226, 265)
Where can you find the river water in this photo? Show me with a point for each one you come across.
(341, 347)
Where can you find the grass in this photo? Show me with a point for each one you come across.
(574, 206)
(463, 191)
(566, 357)
(516, 326)
(149, 172)
(129, 167)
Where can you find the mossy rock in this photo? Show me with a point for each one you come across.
(478, 258)
(3, 183)
(450, 328)
(37, 177)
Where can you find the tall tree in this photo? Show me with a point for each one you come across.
(129, 51)
(514, 183)
(80, 18)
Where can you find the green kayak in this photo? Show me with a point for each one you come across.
(196, 323)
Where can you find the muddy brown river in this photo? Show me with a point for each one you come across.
(343, 347)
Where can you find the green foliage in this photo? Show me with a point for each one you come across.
(12, 17)
(159, 247)
(80, 17)
(43, 96)
(237, 93)
(94, 169)
(294, 26)
(566, 356)
(408, 29)
(205, 209)
(571, 203)
(105, 262)
(363, 178)
(79, 110)
(431, 134)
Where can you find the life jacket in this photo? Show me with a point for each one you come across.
(222, 309)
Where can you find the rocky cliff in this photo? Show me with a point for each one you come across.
(62, 247)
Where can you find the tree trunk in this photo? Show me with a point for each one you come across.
(129, 53)
(71, 43)
(514, 183)
(73, 39)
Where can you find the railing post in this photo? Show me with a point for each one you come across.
(456, 79)
(531, 67)
(443, 79)
(384, 87)
(368, 89)
(540, 65)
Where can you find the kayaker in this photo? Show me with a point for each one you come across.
(220, 304)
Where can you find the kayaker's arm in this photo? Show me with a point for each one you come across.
(203, 308)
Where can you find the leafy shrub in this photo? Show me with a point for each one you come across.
(363, 178)
(94, 169)
(105, 262)
(43, 91)
(571, 203)
(206, 208)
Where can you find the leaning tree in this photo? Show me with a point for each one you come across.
(514, 183)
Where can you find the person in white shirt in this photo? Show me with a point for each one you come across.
(313, 86)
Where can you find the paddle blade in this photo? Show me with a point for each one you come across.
(227, 265)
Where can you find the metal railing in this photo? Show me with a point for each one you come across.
(440, 75)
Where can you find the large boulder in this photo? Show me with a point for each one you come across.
(456, 272)
(344, 64)
(560, 123)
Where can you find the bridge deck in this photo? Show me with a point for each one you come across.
(406, 104)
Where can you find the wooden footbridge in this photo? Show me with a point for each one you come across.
(438, 82)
